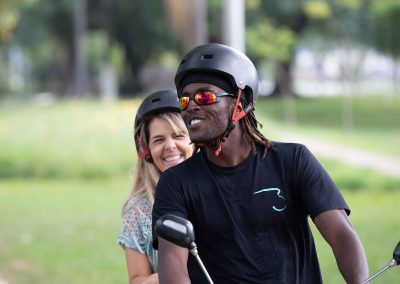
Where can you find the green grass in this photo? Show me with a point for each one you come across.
(64, 174)
(65, 231)
(375, 127)
(377, 224)
(67, 139)
(369, 112)
(90, 139)
(61, 231)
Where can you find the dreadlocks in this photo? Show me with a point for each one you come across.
(250, 125)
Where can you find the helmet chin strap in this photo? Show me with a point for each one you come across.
(143, 152)
(216, 143)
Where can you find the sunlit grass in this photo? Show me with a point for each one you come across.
(66, 231)
(67, 139)
(64, 174)
(90, 139)
(377, 224)
(375, 124)
(61, 231)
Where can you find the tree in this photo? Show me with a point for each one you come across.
(276, 25)
(276, 28)
(386, 20)
(139, 27)
(9, 17)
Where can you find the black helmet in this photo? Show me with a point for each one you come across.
(155, 103)
(222, 60)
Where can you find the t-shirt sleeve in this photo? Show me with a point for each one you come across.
(169, 199)
(317, 189)
(135, 228)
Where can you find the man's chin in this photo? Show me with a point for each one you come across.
(201, 140)
(204, 139)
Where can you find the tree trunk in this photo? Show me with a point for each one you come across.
(135, 63)
(81, 77)
(283, 80)
(188, 20)
(283, 75)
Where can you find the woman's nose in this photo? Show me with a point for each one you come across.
(170, 144)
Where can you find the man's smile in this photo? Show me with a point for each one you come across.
(194, 121)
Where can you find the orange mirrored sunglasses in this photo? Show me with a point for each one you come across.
(201, 97)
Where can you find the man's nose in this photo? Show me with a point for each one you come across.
(192, 105)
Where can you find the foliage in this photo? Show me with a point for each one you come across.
(384, 7)
(47, 20)
(267, 20)
(272, 28)
(98, 47)
(10, 15)
(386, 16)
(134, 33)
(317, 9)
(8, 20)
(266, 41)
(139, 27)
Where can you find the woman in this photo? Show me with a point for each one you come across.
(162, 141)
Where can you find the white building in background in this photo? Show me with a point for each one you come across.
(17, 68)
(341, 71)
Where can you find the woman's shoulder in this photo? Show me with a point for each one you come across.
(138, 202)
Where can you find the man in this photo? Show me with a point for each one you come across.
(248, 198)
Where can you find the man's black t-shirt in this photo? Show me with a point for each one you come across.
(251, 220)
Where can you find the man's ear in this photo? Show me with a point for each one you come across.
(239, 107)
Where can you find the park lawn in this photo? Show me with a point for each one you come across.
(378, 225)
(65, 231)
(35, 140)
(64, 174)
(62, 231)
(78, 139)
(375, 123)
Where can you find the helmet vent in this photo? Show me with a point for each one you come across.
(207, 56)
(155, 100)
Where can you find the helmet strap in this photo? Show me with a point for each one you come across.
(143, 152)
(215, 144)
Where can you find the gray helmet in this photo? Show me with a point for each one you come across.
(155, 103)
(222, 60)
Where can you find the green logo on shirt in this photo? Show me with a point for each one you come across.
(278, 193)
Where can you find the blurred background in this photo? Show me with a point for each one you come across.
(73, 72)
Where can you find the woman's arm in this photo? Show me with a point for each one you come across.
(139, 268)
(335, 227)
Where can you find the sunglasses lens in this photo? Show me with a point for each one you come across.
(183, 102)
(205, 98)
(201, 98)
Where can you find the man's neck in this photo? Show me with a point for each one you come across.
(234, 150)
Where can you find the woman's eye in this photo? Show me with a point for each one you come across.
(180, 136)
